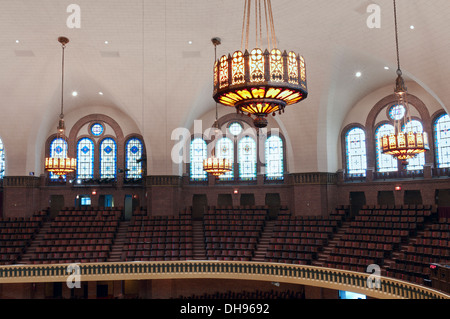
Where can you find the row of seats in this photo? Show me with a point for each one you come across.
(230, 232)
(70, 239)
(16, 234)
(151, 238)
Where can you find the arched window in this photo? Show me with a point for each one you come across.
(355, 149)
(198, 152)
(58, 149)
(385, 163)
(274, 158)
(417, 162)
(247, 158)
(225, 149)
(442, 140)
(85, 158)
(108, 158)
(2, 160)
(133, 155)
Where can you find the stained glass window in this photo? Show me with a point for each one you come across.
(225, 149)
(85, 158)
(2, 160)
(274, 158)
(442, 140)
(108, 158)
(385, 163)
(133, 151)
(58, 149)
(417, 162)
(97, 129)
(235, 128)
(247, 158)
(355, 144)
(397, 112)
(198, 154)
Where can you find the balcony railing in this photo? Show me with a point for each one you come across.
(297, 274)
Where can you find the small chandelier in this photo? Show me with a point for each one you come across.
(260, 82)
(213, 165)
(400, 144)
(61, 166)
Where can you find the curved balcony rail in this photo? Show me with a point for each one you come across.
(376, 287)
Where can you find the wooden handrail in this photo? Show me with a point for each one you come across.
(337, 279)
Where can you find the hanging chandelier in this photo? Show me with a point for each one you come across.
(61, 165)
(403, 144)
(259, 82)
(213, 165)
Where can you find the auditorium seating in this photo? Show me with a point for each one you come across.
(152, 238)
(403, 240)
(16, 234)
(78, 235)
(298, 239)
(232, 233)
(375, 233)
(432, 245)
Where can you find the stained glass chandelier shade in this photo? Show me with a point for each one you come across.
(260, 82)
(61, 165)
(403, 144)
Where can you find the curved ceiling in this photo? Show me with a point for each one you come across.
(158, 59)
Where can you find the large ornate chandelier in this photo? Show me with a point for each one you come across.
(56, 165)
(403, 144)
(260, 82)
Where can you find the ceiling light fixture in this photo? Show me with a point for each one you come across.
(57, 165)
(213, 165)
(401, 144)
(259, 82)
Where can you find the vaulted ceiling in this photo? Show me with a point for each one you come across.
(156, 66)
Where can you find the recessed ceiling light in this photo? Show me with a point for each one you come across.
(100, 93)
(17, 41)
(386, 68)
(412, 27)
(106, 42)
(358, 74)
(190, 42)
(74, 93)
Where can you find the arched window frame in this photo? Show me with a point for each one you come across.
(279, 176)
(196, 164)
(247, 160)
(134, 161)
(379, 156)
(442, 153)
(50, 153)
(108, 155)
(2, 159)
(361, 152)
(418, 161)
(85, 162)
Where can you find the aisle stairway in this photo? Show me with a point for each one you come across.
(117, 249)
(198, 240)
(332, 243)
(264, 241)
(36, 242)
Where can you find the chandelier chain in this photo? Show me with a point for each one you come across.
(396, 35)
(62, 83)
